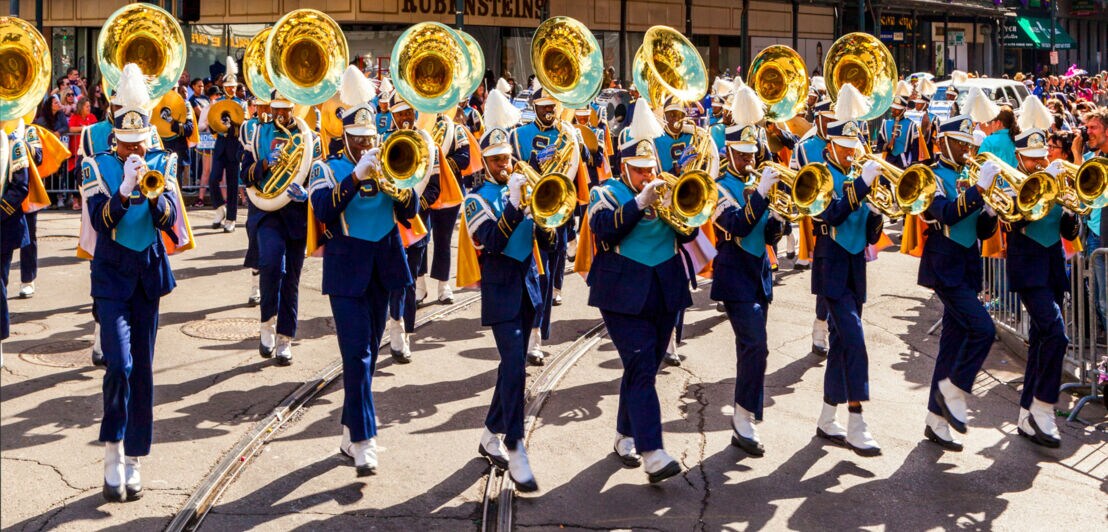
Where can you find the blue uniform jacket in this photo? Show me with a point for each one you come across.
(1032, 265)
(13, 226)
(116, 269)
(737, 274)
(294, 215)
(350, 263)
(620, 284)
(946, 263)
(504, 280)
(837, 272)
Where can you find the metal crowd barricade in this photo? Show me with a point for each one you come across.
(1085, 353)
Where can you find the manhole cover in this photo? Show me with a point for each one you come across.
(63, 354)
(227, 329)
(27, 328)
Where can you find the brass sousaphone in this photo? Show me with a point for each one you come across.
(25, 67)
(147, 36)
(780, 78)
(863, 61)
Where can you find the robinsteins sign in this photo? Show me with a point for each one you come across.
(480, 8)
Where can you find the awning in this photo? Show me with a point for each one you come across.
(1034, 32)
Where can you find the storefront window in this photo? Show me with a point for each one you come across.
(206, 46)
(372, 49)
(64, 51)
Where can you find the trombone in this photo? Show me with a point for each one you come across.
(1084, 187)
(900, 192)
(1015, 195)
(800, 193)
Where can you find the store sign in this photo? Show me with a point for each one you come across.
(895, 28)
(1083, 8)
(956, 38)
(523, 9)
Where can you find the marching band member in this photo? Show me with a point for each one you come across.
(898, 137)
(528, 142)
(839, 275)
(178, 142)
(742, 279)
(596, 164)
(225, 160)
(384, 117)
(249, 137)
(363, 260)
(28, 254)
(1036, 268)
(130, 273)
(403, 301)
(455, 148)
(639, 283)
(505, 235)
(469, 117)
(16, 164)
(951, 266)
(810, 149)
(280, 235)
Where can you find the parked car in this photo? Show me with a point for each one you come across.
(1001, 91)
(522, 101)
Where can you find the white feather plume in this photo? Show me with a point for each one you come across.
(926, 87)
(722, 87)
(980, 107)
(903, 88)
(232, 67)
(131, 91)
(356, 89)
(503, 86)
(851, 105)
(819, 84)
(958, 77)
(385, 87)
(644, 124)
(746, 108)
(738, 83)
(1034, 115)
(535, 85)
(499, 112)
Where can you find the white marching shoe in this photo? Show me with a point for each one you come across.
(828, 426)
(624, 448)
(519, 469)
(398, 342)
(446, 294)
(659, 465)
(858, 437)
(492, 447)
(220, 216)
(346, 446)
(97, 351)
(420, 289)
(267, 337)
(819, 337)
(284, 350)
(557, 297)
(228, 226)
(133, 477)
(114, 472)
(27, 290)
(743, 433)
(571, 250)
(952, 403)
(535, 356)
(672, 358)
(938, 432)
(1037, 424)
(365, 457)
(255, 298)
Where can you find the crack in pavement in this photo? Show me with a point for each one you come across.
(50, 466)
(700, 398)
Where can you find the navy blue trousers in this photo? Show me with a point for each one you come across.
(280, 260)
(28, 255)
(748, 320)
(442, 232)
(821, 308)
(1047, 345)
(359, 325)
(402, 302)
(128, 330)
(5, 319)
(226, 166)
(847, 374)
(964, 343)
(506, 411)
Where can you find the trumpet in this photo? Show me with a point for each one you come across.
(908, 191)
(1015, 195)
(800, 193)
(152, 184)
(1085, 187)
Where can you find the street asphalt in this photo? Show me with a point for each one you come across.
(212, 387)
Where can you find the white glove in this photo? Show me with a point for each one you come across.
(769, 178)
(516, 182)
(987, 174)
(870, 171)
(989, 210)
(369, 160)
(873, 209)
(131, 168)
(1055, 168)
(649, 194)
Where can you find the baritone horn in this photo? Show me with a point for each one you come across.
(863, 61)
(405, 161)
(1084, 187)
(800, 193)
(899, 192)
(550, 191)
(1024, 196)
(568, 61)
(25, 67)
(147, 36)
(780, 78)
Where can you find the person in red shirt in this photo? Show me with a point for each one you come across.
(78, 121)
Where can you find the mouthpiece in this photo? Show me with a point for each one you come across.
(407, 125)
(748, 169)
